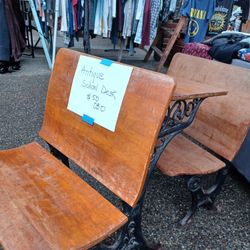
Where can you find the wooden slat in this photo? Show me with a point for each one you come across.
(183, 157)
(118, 160)
(222, 122)
(158, 51)
(171, 42)
(187, 89)
(44, 205)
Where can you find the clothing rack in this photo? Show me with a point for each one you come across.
(30, 28)
(51, 59)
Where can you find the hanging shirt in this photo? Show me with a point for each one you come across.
(155, 10)
(64, 24)
(219, 20)
(244, 4)
(98, 18)
(172, 6)
(146, 24)
(140, 11)
(199, 13)
(165, 10)
(177, 12)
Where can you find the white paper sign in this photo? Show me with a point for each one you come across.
(98, 90)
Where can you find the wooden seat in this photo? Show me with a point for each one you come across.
(220, 126)
(179, 159)
(44, 204)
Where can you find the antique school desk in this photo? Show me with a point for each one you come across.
(54, 218)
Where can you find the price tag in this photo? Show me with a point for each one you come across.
(98, 89)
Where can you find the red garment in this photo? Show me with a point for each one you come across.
(197, 49)
(146, 23)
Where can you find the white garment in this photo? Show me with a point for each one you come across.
(140, 9)
(64, 25)
(106, 9)
(172, 6)
(110, 17)
(113, 8)
(128, 18)
(138, 35)
(98, 18)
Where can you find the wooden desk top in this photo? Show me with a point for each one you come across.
(187, 89)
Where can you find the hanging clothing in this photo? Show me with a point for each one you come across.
(139, 16)
(244, 4)
(146, 23)
(105, 17)
(64, 23)
(113, 8)
(199, 13)
(165, 10)
(98, 18)
(219, 20)
(86, 42)
(177, 13)
(75, 7)
(70, 18)
(155, 11)
(15, 23)
(128, 18)
(4, 35)
(172, 6)
(92, 11)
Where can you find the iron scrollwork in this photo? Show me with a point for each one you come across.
(180, 115)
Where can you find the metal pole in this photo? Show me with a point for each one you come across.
(40, 33)
(55, 31)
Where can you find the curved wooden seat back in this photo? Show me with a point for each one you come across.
(222, 122)
(118, 160)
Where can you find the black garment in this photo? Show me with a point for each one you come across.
(242, 160)
(225, 47)
(219, 21)
(226, 52)
(4, 35)
(244, 4)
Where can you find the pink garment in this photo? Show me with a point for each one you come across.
(197, 49)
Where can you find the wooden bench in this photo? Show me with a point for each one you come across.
(211, 143)
(45, 205)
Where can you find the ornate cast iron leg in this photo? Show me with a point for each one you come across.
(194, 186)
(130, 237)
(202, 197)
